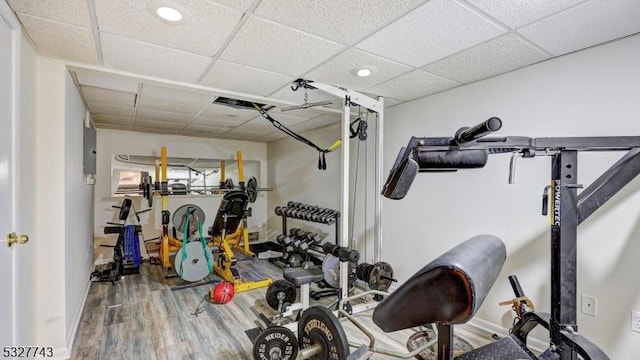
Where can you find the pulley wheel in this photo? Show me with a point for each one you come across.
(318, 325)
(275, 342)
(281, 289)
(252, 189)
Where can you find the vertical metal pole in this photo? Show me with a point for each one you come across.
(377, 233)
(564, 223)
(344, 196)
(445, 342)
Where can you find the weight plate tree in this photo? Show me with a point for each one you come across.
(275, 342)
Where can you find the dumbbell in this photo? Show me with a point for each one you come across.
(283, 239)
(342, 253)
(321, 216)
(308, 240)
(313, 210)
(280, 210)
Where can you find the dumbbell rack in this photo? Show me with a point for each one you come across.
(311, 213)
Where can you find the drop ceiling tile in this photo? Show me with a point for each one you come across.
(389, 102)
(94, 94)
(223, 111)
(206, 130)
(173, 99)
(203, 29)
(435, 30)
(327, 119)
(265, 45)
(339, 70)
(238, 135)
(516, 13)
(147, 59)
(152, 124)
(62, 41)
(276, 135)
(218, 121)
(155, 131)
(585, 25)
(241, 5)
(308, 125)
(494, 57)
(157, 115)
(112, 120)
(198, 134)
(337, 20)
(413, 85)
(259, 125)
(110, 110)
(101, 79)
(234, 77)
(74, 12)
(287, 118)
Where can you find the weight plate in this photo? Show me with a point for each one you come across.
(149, 195)
(252, 189)
(281, 289)
(180, 215)
(228, 184)
(275, 342)
(125, 207)
(331, 270)
(318, 325)
(295, 260)
(191, 262)
(376, 280)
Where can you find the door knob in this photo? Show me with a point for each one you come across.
(13, 238)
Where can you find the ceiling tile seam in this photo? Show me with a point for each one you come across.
(243, 19)
(52, 21)
(554, 14)
(136, 104)
(153, 45)
(211, 100)
(95, 31)
(510, 30)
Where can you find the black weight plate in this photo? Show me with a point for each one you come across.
(275, 342)
(124, 209)
(252, 189)
(280, 286)
(228, 184)
(149, 195)
(318, 325)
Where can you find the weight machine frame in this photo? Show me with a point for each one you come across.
(568, 209)
(349, 97)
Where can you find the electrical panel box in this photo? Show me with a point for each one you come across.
(89, 164)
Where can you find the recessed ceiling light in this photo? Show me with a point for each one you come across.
(169, 14)
(363, 71)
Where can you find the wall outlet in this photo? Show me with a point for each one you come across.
(590, 305)
(635, 321)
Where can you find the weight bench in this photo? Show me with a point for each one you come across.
(228, 227)
(449, 291)
(302, 278)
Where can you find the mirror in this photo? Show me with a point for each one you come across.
(186, 176)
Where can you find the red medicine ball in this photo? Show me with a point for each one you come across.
(222, 293)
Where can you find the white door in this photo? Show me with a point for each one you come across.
(7, 215)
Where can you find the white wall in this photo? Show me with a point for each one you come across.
(63, 216)
(110, 142)
(293, 171)
(78, 211)
(590, 93)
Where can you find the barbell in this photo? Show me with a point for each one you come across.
(321, 336)
(149, 189)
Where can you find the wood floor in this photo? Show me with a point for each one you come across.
(141, 317)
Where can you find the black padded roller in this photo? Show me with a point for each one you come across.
(451, 160)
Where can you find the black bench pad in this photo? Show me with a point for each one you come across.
(507, 348)
(300, 276)
(448, 290)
